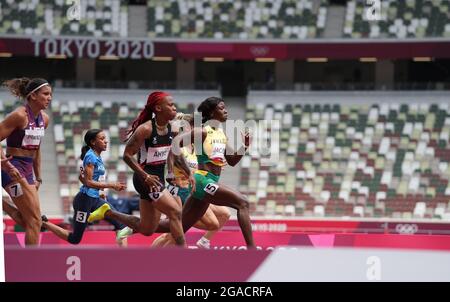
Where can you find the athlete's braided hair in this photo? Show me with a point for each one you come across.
(146, 113)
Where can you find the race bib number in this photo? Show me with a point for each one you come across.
(155, 195)
(32, 137)
(157, 154)
(173, 190)
(81, 217)
(15, 190)
(211, 188)
(193, 165)
(218, 152)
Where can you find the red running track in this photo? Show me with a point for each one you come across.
(305, 258)
(264, 240)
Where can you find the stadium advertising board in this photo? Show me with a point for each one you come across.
(142, 48)
(79, 47)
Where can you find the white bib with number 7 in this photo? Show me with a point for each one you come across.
(15, 190)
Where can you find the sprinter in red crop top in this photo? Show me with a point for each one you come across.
(24, 130)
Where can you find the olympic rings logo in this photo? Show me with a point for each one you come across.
(406, 228)
(259, 51)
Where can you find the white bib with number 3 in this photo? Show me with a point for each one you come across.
(81, 217)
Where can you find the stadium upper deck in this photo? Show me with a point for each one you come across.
(240, 20)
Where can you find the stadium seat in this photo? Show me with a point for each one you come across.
(386, 160)
(399, 19)
(287, 19)
(99, 18)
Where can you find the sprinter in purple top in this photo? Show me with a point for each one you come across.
(21, 166)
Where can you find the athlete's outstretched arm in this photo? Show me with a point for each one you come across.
(16, 119)
(37, 168)
(170, 162)
(8, 167)
(91, 183)
(180, 163)
(234, 158)
(7, 126)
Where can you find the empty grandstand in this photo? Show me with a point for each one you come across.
(352, 97)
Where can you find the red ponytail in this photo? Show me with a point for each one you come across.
(146, 113)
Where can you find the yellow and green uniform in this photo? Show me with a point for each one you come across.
(181, 187)
(213, 151)
(180, 178)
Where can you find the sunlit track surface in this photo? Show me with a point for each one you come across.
(230, 240)
(100, 263)
(107, 264)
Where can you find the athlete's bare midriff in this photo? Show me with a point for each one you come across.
(20, 152)
(214, 169)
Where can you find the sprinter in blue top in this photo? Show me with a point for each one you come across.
(92, 159)
(88, 199)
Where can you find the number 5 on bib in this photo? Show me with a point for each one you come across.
(211, 188)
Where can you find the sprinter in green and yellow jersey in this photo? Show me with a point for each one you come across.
(215, 216)
(212, 155)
